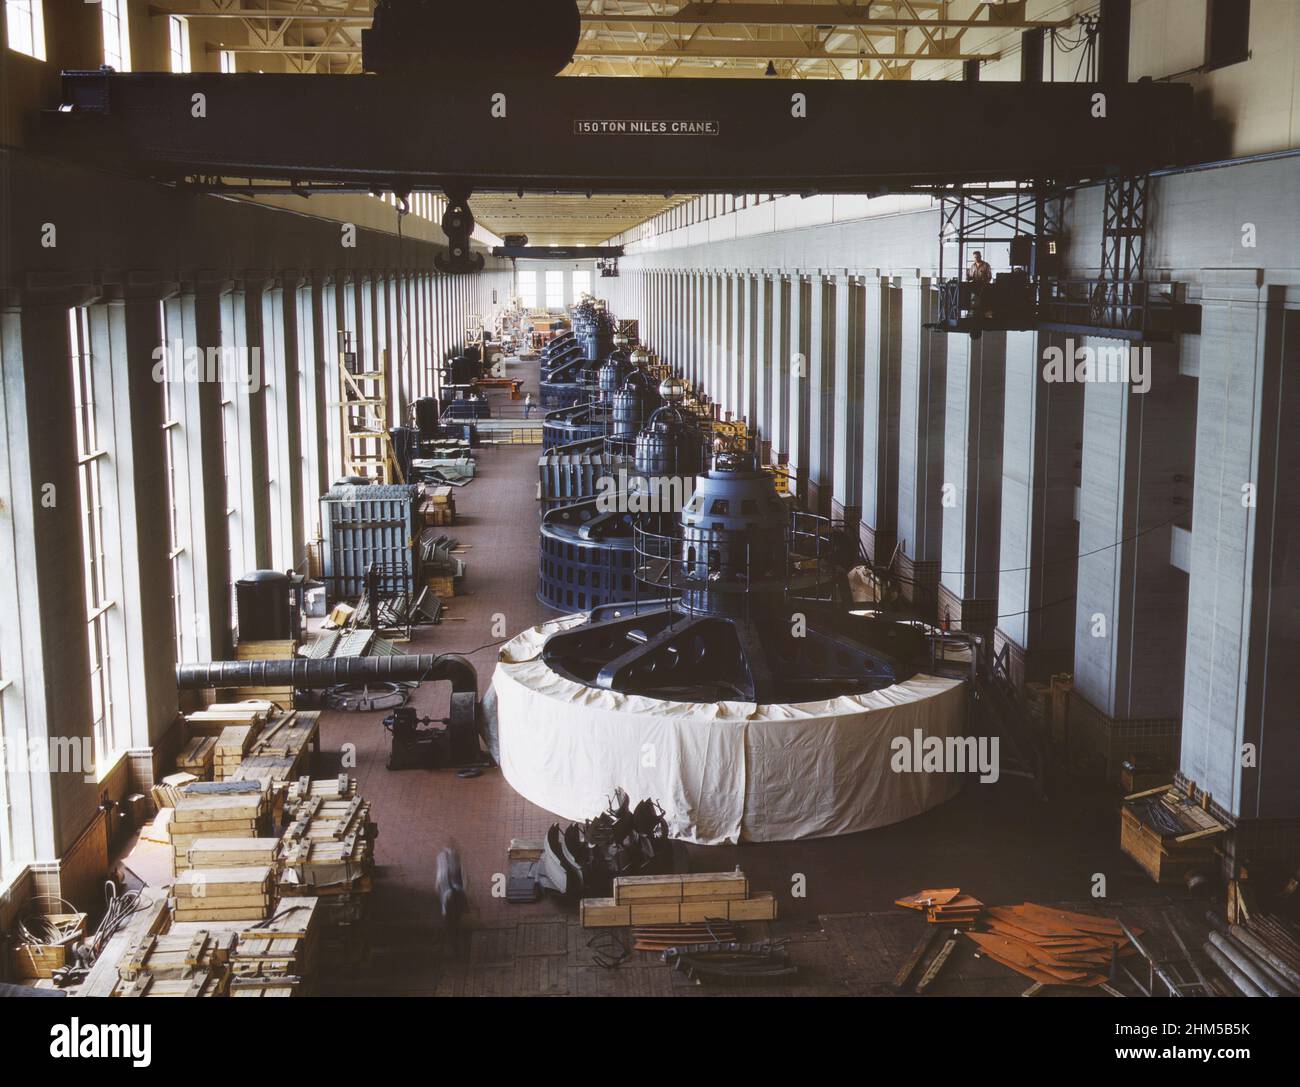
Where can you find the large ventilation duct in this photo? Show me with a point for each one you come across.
(331, 672)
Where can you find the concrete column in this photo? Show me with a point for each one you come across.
(881, 391)
(661, 313)
(1242, 685)
(428, 353)
(337, 297)
(735, 345)
(761, 366)
(699, 326)
(821, 385)
(846, 410)
(195, 318)
(44, 638)
(779, 289)
(1041, 456)
(125, 333)
(257, 503)
(1131, 605)
(923, 385)
(283, 361)
(316, 308)
(749, 355)
(800, 382)
(712, 381)
(384, 355)
(681, 336)
(972, 484)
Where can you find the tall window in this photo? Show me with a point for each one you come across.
(555, 290)
(117, 35)
(178, 27)
(227, 60)
(7, 851)
(177, 465)
(26, 24)
(528, 290)
(90, 459)
(581, 285)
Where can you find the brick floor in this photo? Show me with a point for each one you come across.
(995, 841)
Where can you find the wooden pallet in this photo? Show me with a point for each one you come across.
(327, 847)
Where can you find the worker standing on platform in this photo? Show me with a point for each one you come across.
(979, 275)
(528, 405)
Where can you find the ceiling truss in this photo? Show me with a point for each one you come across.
(834, 39)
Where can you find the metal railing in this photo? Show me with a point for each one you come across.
(800, 566)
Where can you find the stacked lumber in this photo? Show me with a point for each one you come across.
(678, 899)
(231, 747)
(224, 894)
(439, 507)
(200, 983)
(342, 787)
(212, 720)
(228, 853)
(282, 751)
(176, 957)
(280, 952)
(662, 937)
(1167, 833)
(262, 651)
(198, 757)
(1052, 946)
(327, 848)
(228, 814)
(168, 791)
(943, 906)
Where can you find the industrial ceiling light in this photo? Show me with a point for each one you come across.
(771, 68)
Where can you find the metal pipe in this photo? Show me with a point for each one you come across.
(1251, 942)
(1249, 945)
(1243, 962)
(331, 672)
(1235, 976)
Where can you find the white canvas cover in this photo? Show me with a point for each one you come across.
(726, 771)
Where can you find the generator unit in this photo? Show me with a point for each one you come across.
(587, 555)
(750, 612)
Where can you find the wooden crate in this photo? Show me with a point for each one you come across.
(1165, 859)
(607, 913)
(707, 885)
(442, 586)
(41, 960)
(228, 853)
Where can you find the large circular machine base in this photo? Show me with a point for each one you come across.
(723, 772)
